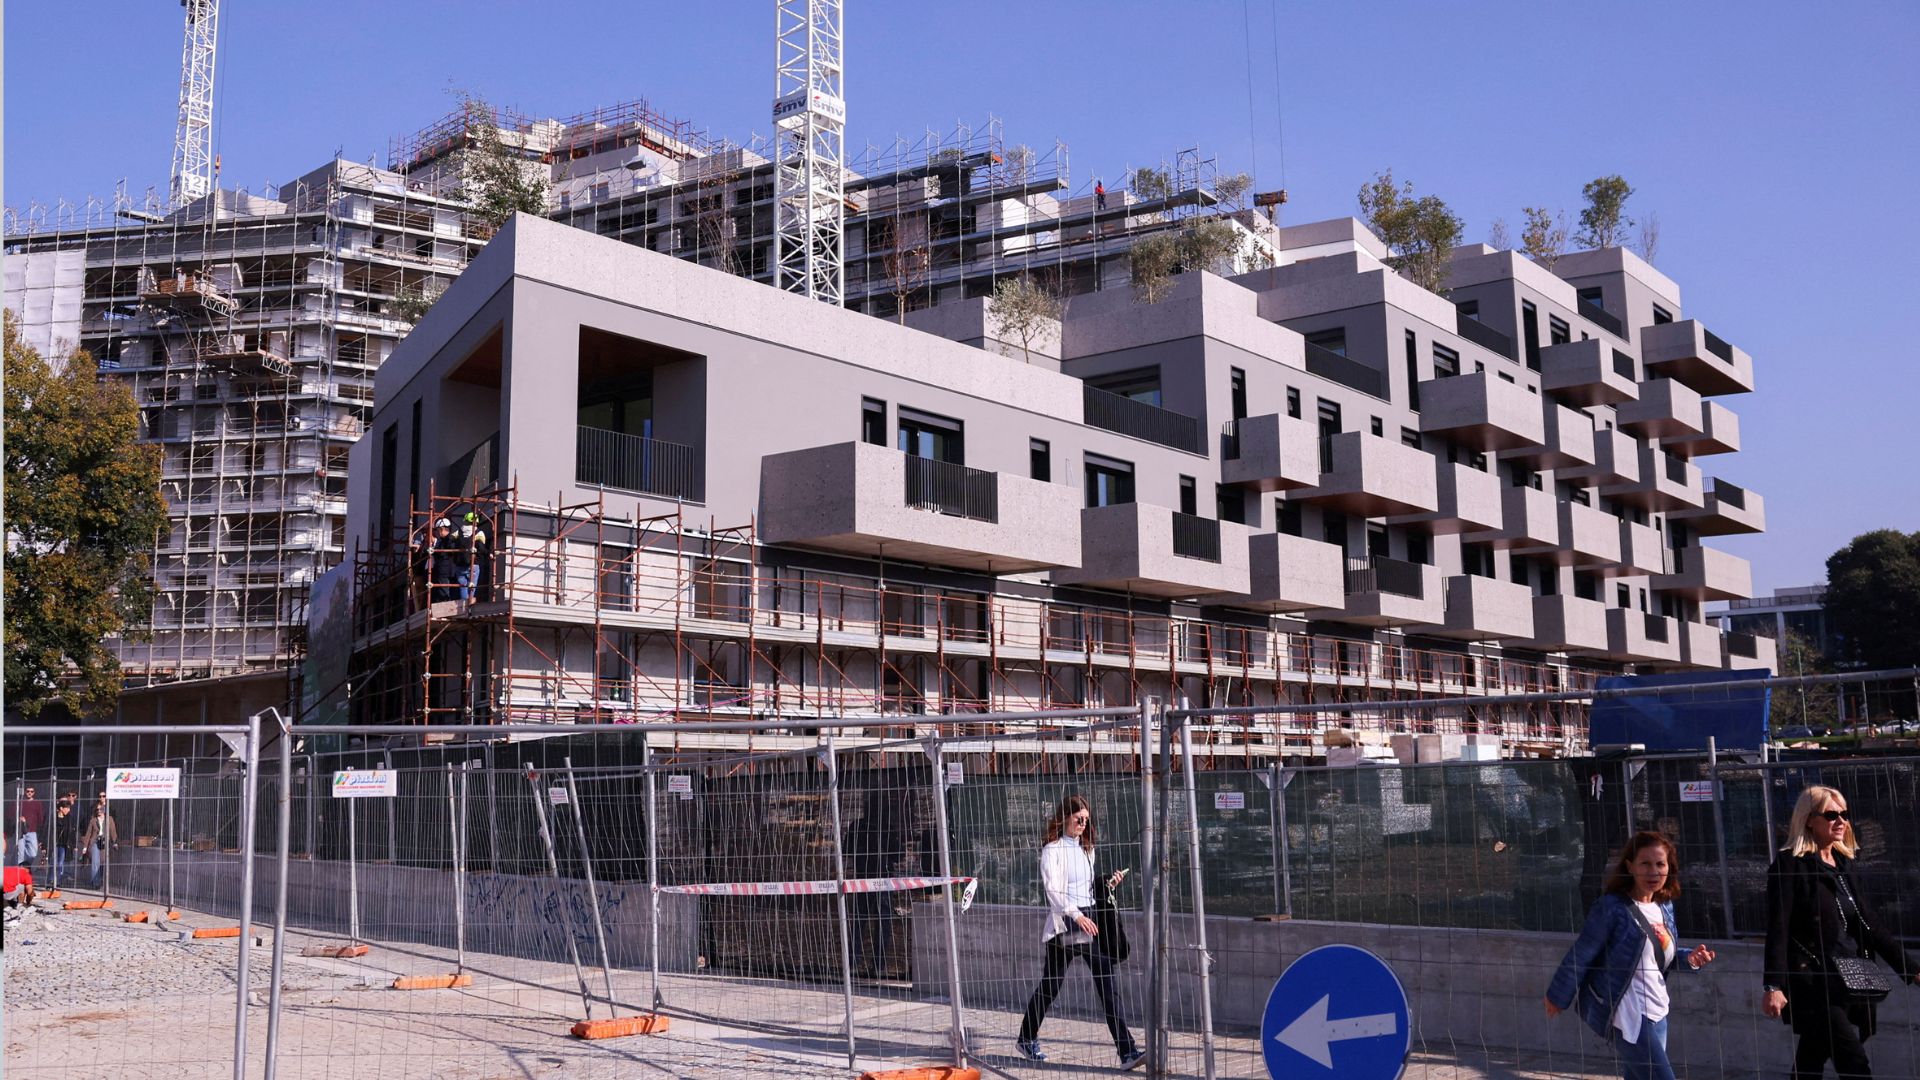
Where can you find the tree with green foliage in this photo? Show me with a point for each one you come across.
(1604, 222)
(1420, 231)
(83, 505)
(496, 180)
(1152, 262)
(1544, 238)
(1232, 189)
(1149, 184)
(1205, 244)
(1803, 706)
(1025, 309)
(1873, 599)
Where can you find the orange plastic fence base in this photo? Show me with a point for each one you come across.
(346, 952)
(173, 916)
(924, 1072)
(135, 916)
(50, 894)
(85, 905)
(217, 932)
(431, 982)
(644, 1024)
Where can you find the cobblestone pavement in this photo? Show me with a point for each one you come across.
(89, 996)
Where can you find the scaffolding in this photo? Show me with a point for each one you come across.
(582, 616)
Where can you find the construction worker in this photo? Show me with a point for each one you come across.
(478, 580)
(1099, 195)
(449, 562)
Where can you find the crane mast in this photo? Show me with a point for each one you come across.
(192, 175)
(809, 119)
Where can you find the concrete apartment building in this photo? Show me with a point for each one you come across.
(1313, 482)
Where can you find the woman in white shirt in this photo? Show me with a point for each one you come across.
(1066, 874)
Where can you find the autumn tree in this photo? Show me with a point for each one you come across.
(1025, 310)
(1420, 231)
(1604, 221)
(496, 180)
(83, 505)
(908, 262)
(1544, 237)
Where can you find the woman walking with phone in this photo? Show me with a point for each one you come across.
(1820, 942)
(1066, 874)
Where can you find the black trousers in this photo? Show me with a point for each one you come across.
(1841, 1038)
(1059, 955)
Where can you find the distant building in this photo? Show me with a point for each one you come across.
(1799, 608)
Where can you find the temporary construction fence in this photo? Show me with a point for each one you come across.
(867, 900)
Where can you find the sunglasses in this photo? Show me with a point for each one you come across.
(1082, 818)
(1835, 815)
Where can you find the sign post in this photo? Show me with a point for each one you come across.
(353, 785)
(1337, 1012)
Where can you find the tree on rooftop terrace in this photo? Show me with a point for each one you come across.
(1420, 231)
(497, 181)
(1232, 189)
(1024, 308)
(1604, 222)
(1544, 239)
(83, 505)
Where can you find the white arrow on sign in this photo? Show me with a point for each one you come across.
(1311, 1034)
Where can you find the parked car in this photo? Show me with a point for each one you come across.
(1796, 732)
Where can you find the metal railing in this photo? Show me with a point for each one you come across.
(1230, 440)
(1656, 627)
(947, 488)
(1717, 346)
(1328, 364)
(1137, 419)
(1600, 317)
(1196, 537)
(1623, 364)
(1482, 335)
(635, 463)
(1377, 573)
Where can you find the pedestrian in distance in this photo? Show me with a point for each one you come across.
(63, 840)
(1821, 941)
(102, 838)
(32, 821)
(1616, 971)
(1070, 932)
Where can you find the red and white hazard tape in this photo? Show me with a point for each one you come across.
(826, 888)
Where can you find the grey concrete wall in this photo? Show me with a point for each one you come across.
(1465, 988)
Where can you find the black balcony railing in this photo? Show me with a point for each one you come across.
(1744, 646)
(1623, 365)
(1112, 412)
(634, 463)
(1600, 317)
(1482, 335)
(1717, 346)
(1730, 495)
(952, 489)
(1352, 373)
(1377, 573)
(1230, 440)
(1656, 628)
(1195, 537)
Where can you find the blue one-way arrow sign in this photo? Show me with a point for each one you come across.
(1337, 1012)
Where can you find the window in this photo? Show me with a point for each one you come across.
(1189, 496)
(1558, 332)
(1419, 547)
(1333, 529)
(413, 458)
(929, 436)
(1446, 362)
(1661, 316)
(1410, 437)
(1109, 482)
(1040, 460)
(1287, 518)
(1517, 570)
(1477, 559)
(1334, 340)
(1378, 427)
(1623, 596)
(1549, 580)
(1504, 377)
(1530, 330)
(1470, 308)
(1413, 372)
(873, 421)
(389, 479)
(1238, 393)
(1229, 504)
(1293, 402)
(1579, 495)
(1585, 585)
(1643, 598)
(1329, 427)
(1376, 541)
(1591, 295)
(1140, 384)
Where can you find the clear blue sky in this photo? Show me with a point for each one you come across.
(1777, 142)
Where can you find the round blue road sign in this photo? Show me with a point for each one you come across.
(1339, 1011)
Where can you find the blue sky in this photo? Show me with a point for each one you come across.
(1777, 143)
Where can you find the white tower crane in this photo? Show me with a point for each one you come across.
(193, 137)
(809, 119)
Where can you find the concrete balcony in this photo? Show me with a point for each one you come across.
(1666, 483)
(1469, 501)
(1156, 551)
(1529, 519)
(1704, 573)
(1588, 538)
(1569, 624)
(1727, 510)
(1389, 592)
(1748, 652)
(871, 500)
(1481, 411)
(1616, 460)
(1666, 410)
(1292, 573)
(1568, 443)
(1719, 434)
(1483, 609)
(1641, 551)
(1369, 476)
(1635, 636)
(1691, 353)
(1588, 373)
(1270, 453)
(1700, 645)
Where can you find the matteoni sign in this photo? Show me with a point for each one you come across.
(143, 784)
(366, 784)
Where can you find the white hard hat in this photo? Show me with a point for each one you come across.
(443, 523)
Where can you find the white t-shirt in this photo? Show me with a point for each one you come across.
(1066, 874)
(1646, 996)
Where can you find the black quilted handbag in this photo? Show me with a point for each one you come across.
(1858, 976)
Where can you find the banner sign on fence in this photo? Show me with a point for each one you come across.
(956, 773)
(1696, 791)
(143, 783)
(1229, 800)
(557, 796)
(366, 784)
(680, 784)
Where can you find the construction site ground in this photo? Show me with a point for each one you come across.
(88, 995)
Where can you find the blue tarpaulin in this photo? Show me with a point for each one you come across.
(1735, 716)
